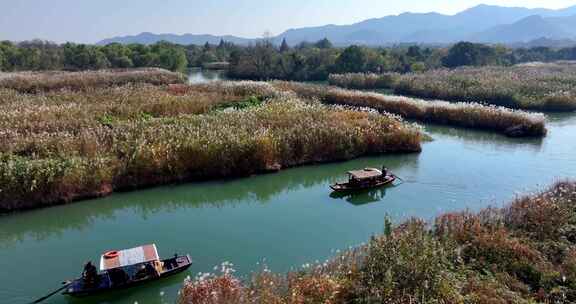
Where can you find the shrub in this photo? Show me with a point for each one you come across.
(409, 265)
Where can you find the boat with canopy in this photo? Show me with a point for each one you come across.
(367, 178)
(126, 268)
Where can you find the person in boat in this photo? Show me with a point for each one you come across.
(174, 261)
(385, 171)
(90, 274)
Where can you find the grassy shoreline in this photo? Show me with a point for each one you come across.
(64, 146)
(513, 123)
(522, 253)
(545, 87)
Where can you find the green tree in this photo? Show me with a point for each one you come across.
(319, 63)
(29, 59)
(170, 56)
(467, 53)
(415, 53)
(2, 61)
(284, 46)
(375, 62)
(352, 60)
(207, 46)
(118, 55)
(264, 59)
(222, 44)
(11, 55)
(324, 44)
(434, 59)
(84, 57)
(141, 55)
(261, 61)
(40, 55)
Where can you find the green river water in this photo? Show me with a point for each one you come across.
(283, 220)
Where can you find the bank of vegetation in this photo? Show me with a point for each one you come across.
(542, 87)
(506, 121)
(65, 145)
(37, 82)
(522, 253)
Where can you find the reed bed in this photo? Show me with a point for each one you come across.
(543, 87)
(522, 253)
(239, 88)
(36, 82)
(76, 111)
(362, 81)
(63, 146)
(514, 123)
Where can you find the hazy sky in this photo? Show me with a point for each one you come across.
(93, 20)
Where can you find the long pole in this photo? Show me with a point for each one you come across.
(52, 293)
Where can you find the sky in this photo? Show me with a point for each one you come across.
(89, 21)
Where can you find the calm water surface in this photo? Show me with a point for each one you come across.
(198, 75)
(284, 219)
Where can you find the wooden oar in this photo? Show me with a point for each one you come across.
(52, 293)
(398, 177)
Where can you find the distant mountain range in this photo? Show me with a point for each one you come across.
(150, 38)
(482, 23)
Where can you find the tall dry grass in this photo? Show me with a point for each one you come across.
(62, 146)
(36, 82)
(544, 87)
(469, 115)
(362, 81)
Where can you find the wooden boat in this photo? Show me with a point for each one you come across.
(128, 268)
(368, 178)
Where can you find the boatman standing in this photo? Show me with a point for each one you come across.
(384, 171)
(90, 274)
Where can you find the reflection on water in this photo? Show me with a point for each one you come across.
(477, 137)
(260, 189)
(289, 217)
(360, 198)
(198, 75)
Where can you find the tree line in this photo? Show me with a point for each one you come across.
(315, 61)
(265, 60)
(42, 55)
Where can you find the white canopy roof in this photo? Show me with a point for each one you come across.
(366, 173)
(127, 257)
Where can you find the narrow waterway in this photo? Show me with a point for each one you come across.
(283, 220)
